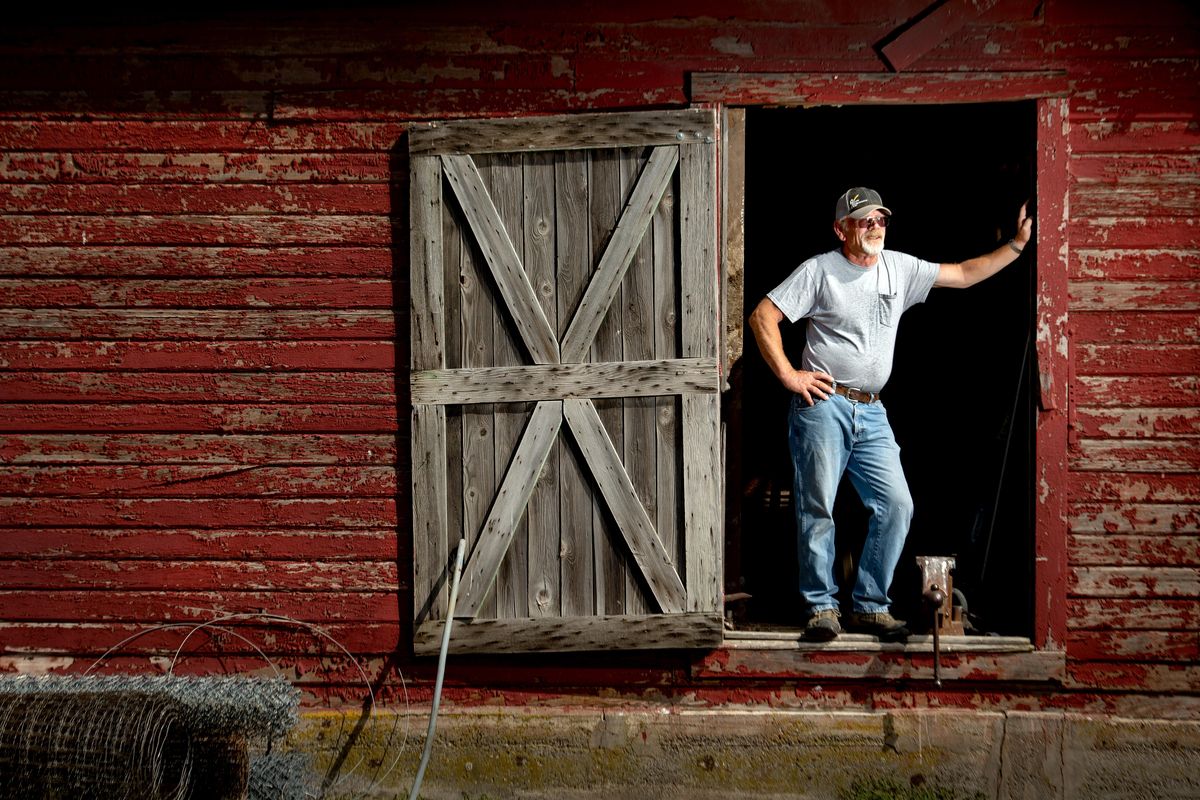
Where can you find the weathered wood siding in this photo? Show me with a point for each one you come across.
(203, 294)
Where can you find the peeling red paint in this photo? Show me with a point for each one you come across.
(202, 303)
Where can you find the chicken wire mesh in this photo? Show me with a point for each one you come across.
(154, 737)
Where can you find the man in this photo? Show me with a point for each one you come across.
(853, 298)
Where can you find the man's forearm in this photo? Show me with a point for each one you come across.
(974, 270)
(983, 267)
(770, 342)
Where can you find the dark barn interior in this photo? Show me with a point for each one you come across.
(960, 397)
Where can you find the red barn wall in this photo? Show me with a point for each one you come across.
(203, 319)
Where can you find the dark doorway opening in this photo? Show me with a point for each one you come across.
(962, 393)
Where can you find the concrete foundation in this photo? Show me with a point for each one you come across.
(668, 753)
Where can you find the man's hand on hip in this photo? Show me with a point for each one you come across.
(812, 386)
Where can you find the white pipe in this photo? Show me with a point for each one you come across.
(437, 686)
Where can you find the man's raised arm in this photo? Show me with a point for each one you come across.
(974, 270)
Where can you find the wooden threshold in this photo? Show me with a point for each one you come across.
(792, 639)
(782, 654)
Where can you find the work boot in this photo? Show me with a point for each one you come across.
(880, 624)
(823, 625)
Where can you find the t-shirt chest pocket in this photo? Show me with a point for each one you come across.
(888, 305)
(889, 302)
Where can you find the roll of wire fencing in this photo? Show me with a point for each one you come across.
(153, 737)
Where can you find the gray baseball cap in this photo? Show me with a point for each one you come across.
(858, 202)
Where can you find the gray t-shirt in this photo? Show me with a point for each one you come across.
(853, 311)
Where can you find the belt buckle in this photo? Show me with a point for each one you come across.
(859, 396)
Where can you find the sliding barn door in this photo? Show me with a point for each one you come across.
(565, 381)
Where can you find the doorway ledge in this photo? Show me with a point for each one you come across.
(784, 654)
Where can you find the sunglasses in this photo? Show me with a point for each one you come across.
(871, 222)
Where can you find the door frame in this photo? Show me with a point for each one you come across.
(729, 92)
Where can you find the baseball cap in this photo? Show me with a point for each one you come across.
(858, 202)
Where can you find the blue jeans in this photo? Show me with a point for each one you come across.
(833, 437)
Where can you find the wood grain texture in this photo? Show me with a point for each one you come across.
(613, 264)
(531, 383)
(501, 257)
(512, 496)
(645, 548)
(840, 88)
(583, 131)
(597, 633)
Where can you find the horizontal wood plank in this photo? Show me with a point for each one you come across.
(1134, 582)
(200, 136)
(227, 638)
(206, 544)
(1136, 359)
(1120, 264)
(1093, 200)
(1109, 613)
(191, 387)
(1128, 170)
(613, 129)
(1138, 327)
(152, 605)
(121, 199)
(1150, 295)
(196, 481)
(1139, 423)
(1133, 455)
(1142, 231)
(600, 633)
(237, 576)
(166, 261)
(203, 166)
(182, 229)
(875, 662)
(556, 381)
(1133, 645)
(332, 679)
(1173, 134)
(1117, 550)
(1131, 517)
(844, 88)
(304, 293)
(198, 356)
(198, 418)
(1150, 487)
(152, 324)
(146, 449)
(1174, 391)
(198, 513)
(1129, 296)
(1135, 677)
(416, 104)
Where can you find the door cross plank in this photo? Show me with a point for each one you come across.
(626, 237)
(605, 465)
(481, 569)
(502, 258)
(555, 381)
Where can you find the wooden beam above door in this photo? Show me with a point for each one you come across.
(847, 88)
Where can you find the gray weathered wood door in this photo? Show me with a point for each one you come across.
(565, 381)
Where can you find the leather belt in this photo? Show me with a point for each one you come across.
(856, 395)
